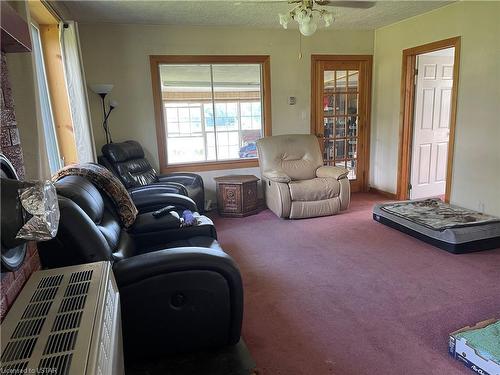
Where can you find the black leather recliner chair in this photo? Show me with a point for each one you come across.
(127, 161)
(179, 290)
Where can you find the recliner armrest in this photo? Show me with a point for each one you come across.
(332, 172)
(184, 178)
(150, 233)
(150, 198)
(276, 176)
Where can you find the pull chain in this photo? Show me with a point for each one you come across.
(300, 46)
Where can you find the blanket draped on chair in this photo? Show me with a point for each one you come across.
(104, 180)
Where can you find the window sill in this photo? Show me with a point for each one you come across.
(210, 166)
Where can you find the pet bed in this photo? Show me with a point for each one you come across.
(455, 229)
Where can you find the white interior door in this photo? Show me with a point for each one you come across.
(431, 126)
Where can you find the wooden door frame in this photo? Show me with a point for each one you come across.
(315, 79)
(407, 112)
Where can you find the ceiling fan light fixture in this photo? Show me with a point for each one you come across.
(328, 18)
(304, 15)
(308, 28)
(284, 19)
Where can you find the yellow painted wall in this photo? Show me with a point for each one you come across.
(476, 168)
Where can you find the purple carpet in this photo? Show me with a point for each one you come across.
(346, 295)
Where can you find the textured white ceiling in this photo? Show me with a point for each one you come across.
(241, 13)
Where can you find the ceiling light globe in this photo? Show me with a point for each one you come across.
(284, 19)
(308, 28)
(328, 18)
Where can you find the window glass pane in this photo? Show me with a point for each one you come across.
(211, 155)
(352, 126)
(341, 81)
(328, 130)
(181, 149)
(340, 127)
(328, 104)
(340, 104)
(45, 106)
(353, 80)
(329, 79)
(246, 109)
(340, 149)
(172, 115)
(239, 87)
(256, 109)
(328, 150)
(218, 107)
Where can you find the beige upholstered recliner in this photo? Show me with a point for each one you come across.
(296, 184)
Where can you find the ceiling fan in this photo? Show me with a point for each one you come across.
(336, 3)
(304, 12)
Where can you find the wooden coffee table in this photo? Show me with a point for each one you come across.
(237, 195)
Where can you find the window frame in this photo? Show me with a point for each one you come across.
(44, 99)
(156, 60)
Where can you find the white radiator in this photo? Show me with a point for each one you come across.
(65, 321)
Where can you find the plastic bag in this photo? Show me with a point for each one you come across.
(41, 211)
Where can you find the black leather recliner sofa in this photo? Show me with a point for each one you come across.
(127, 161)
(179, 290)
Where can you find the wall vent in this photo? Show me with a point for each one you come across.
(73, 303)
(65, 321)
(35, 310)
(26, 328)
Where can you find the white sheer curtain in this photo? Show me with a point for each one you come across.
(75, 81)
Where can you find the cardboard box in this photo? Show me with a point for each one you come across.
(460, 350)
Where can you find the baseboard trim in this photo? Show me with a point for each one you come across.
(385, 194)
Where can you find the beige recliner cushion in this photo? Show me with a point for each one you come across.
(297, 156)
(315, 189)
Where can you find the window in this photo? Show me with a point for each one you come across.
(210, 110)
(45, 106)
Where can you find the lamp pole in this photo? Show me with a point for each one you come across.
(104, 116)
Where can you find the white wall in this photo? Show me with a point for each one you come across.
(119, 54)
(476, 167)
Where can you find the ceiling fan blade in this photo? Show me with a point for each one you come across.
(346, 4)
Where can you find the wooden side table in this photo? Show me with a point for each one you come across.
(237, 195)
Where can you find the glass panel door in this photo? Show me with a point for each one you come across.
(340, 120)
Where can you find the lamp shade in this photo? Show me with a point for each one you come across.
(101, 88)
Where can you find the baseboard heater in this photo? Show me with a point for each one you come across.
(65, 321)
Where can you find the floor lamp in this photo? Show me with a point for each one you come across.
(102, 90)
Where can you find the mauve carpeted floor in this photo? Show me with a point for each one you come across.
(346, 295)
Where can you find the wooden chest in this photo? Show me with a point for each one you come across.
(237, 195)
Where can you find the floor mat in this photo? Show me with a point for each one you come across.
(234, 360)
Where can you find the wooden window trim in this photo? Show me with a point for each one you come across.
(407, 109)
(156, 60)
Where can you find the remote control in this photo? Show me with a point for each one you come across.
(163, 211)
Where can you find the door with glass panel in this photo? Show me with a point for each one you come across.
(340, 113)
